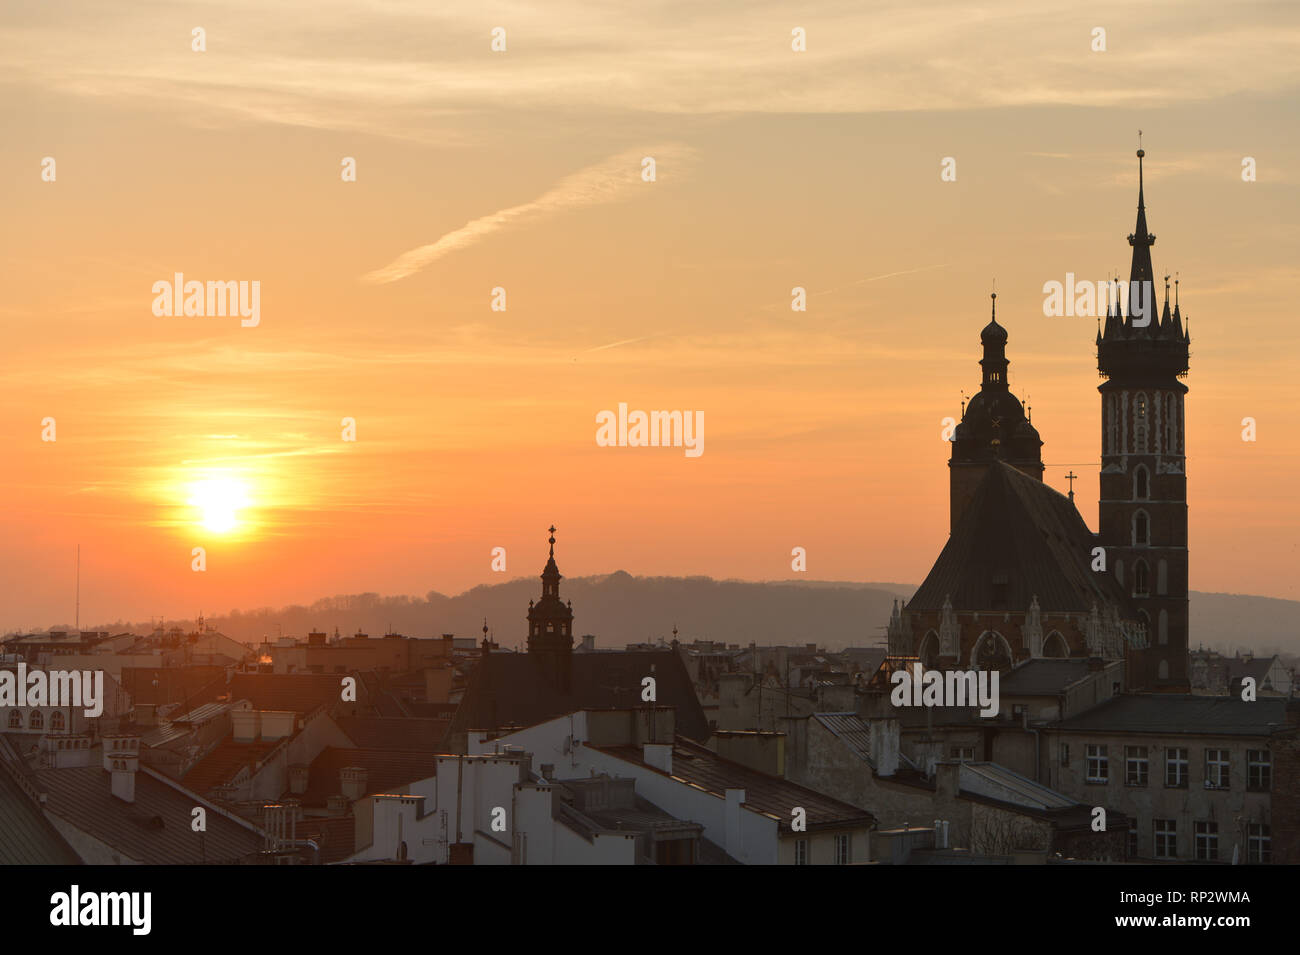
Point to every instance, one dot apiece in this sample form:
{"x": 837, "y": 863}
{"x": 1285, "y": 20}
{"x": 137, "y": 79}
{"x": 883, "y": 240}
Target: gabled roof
{"x": 1019, "y": 529}
{"x": 189, "y": 686}
{"x": 1042, "y": 677}
{"x": 1005, "y": 785}
{"x": 299, "y": 692}
{"x": 153, "y": 830}
{"x": 375, "y": 732}
{"x": 851, "y": 729}
{"x": 335, "y": 836}
{"x": 224, "y": 763}
{"x": 517, "y": 689}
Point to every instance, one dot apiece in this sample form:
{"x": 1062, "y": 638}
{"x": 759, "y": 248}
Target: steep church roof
{"x": 1018, "y": 539}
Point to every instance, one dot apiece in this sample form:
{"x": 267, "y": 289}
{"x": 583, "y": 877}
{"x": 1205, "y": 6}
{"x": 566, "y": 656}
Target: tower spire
{"x": 1141, "y": 281}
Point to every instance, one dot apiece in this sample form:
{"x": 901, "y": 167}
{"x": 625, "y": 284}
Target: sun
{"x": 219, "y": 501}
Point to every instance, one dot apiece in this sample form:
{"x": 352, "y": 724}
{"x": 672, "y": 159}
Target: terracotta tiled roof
{"x": 188, "y": 686}
{"x": 221, "y": 765}
{"x": 374, "y": 732}
{"x": 518, "y": 689}
{"x": 299, "y": 692}
{"x": 334, "y": 835}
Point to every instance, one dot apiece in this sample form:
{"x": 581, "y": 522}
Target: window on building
{"x": 842, "y": 852}
{"x": 1216, "y": 769}
{"x": 1132, "y": 837}
{"x": 964, "y": 753}
{"x": 1098, "y": 763}
{"x": 1176, "y": 767}
{"x": 1207, "y": 841}
{"x": 58, "y": 721}
{"x": 1141, "y": 484}
{"x": 36, "y": 721}
{"x": 1166, "y": 838}
{"x": 1140, "y": 424}
{"x": 801, "y": 852}
{"x": 1141, "y": 580}
{"x": 1136, "y": 765}
{"x": 1259, "y": 770}
{"x": 15, "y": 719}
{"x": 1259, "y": 843}
{"x": 1141, "y": 529}
{"x": 1065, "y": 754}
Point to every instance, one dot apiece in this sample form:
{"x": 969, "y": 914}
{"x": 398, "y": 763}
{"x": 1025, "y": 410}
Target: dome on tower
{"x": 993, "y": 333}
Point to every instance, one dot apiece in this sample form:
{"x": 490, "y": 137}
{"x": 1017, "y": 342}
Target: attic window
{"x": 1000, "y": 584}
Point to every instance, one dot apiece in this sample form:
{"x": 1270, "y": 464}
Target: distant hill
{"x": 620, "y": 609}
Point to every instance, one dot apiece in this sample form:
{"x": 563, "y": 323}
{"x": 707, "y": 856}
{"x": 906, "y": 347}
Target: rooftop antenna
{"x": 78, "y": 612}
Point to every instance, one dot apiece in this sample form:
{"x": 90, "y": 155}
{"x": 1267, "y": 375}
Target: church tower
{"x": 550, "y": 624}
{"x": 993, "y": 426}
{"x": 1143, "y": 507}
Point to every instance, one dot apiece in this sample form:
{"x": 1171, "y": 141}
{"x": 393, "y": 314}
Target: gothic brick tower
{"x": 1143, "y": 507}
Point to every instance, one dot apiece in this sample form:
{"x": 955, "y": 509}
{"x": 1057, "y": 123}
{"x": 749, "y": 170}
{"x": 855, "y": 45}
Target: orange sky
{"x": 476, "y": 428}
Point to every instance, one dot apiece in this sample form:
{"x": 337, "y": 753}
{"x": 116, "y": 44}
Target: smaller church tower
{"x": 550, "y": 622}
{"x": 993, "y": 426}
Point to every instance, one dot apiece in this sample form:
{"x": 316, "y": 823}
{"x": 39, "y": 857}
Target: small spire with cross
{"x": 1071, "y": 478}
{"x": 552, "y": 539}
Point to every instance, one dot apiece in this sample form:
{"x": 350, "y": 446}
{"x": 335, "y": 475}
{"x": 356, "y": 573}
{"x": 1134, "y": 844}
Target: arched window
{"x": 1141, "y": 529}
{"x": 1111, "y": 423}
{"x": 1140, "y": 423}
{"x": 1141, "y": 580}
{"x": 58, "y": 721}
{"x": 1162, "y": 672}
{"x": 1162, "y": 633}
{"x": 929, "y": 652}
{"x": 1141, "y": 483}
{"x": 1171, "y": 426}
{"x": 1162, "y": 576}
{"x": 37, "y": 720}
{"x": 991, "y": 652}
{"x": 15, "y": 719}
{"x": 1055, "y": 646}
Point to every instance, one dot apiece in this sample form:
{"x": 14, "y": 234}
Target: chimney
{"x": 353, "y": 782}
{"x": 883, "y": 740}
{"x": 122, "y": 760}
{"x": 315, "y": 639}
{"x": 734, "y": 807}
{"x": 658, "y": 755}
{"x": 756, "y": 749}
{"x": 588, "y": 641}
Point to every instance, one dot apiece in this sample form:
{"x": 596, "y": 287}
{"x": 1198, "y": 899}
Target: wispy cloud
{"x": 612, "y": 180}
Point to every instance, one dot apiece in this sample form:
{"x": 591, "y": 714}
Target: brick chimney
{"x": 353, "y": 782}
